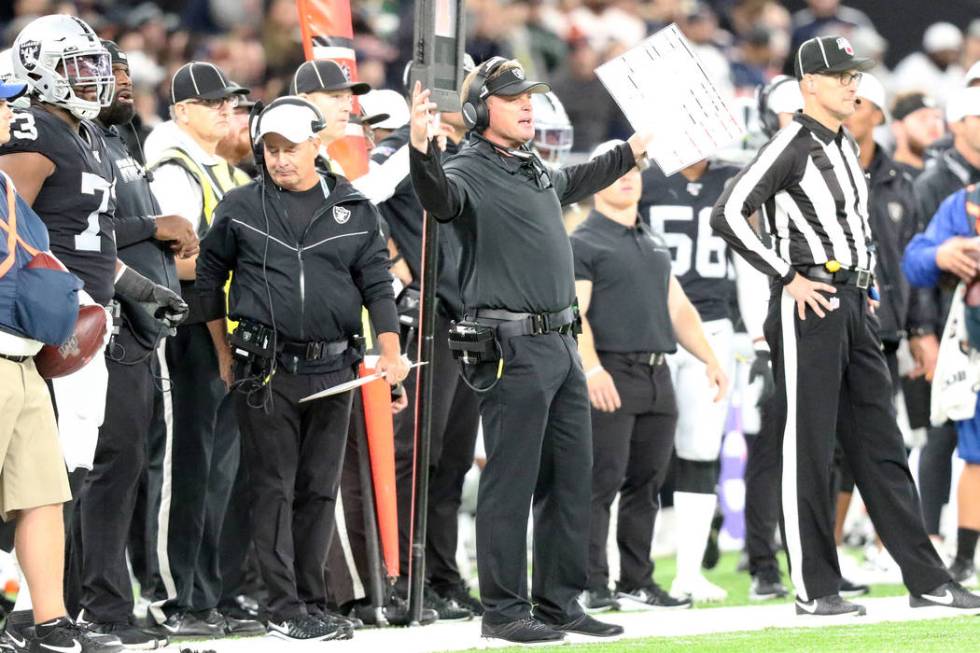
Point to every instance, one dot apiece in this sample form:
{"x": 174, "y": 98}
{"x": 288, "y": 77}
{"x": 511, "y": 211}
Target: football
{"x": 73, "y": 354}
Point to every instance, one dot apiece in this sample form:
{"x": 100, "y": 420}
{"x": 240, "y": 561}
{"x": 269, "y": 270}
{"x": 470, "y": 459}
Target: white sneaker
{"x": 698, "y": 588}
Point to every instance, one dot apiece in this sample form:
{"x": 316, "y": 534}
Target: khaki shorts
{"x": 32, "y": 467}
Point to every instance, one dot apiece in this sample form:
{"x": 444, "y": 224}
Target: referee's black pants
{"x": 539, "y": 443}
{"x": 455, "y": 421}
{"x": 294, "y": 455}
{"x": 832, "y": 381}
{"x": 100, "y": 530}
{"x": 631, "y": 450}
{"x": 196, "y": 484}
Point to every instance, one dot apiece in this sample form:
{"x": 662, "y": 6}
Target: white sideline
{"x": 686, "y": 623}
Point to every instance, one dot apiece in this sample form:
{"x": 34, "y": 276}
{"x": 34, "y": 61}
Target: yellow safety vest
{"x": 215, "y": 180}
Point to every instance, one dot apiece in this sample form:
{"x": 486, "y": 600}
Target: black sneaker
{"x": 64, "y": 635}
{"x": 712, "y": 554}
{"x": 231, "y": 625}
{"x": 460, "y": 593}
{"x": 829, "y": 606}
{"x": 132, "y": 637}
{"x": 307, "y": 628}
{"x": 396, "y": 613}
{"x": 522, "y": 631}
{"x": 653, "y": 597}
{"x": 852, "y": 590}
{"x": 947, "y": 595}
{"x": 334, "y": 618}
{"x": 586, "y": 625}
{"x": 12, "y": 642}
{"x": 599, "y": 600}
{"x": 185, "y": 625}
{"x": 767, "y": 586}
{"x": 447, "y": 609}
{"x": 963, "y": 572}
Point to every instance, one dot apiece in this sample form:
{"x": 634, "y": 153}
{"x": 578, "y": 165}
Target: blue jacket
{"x": 951, "y": 219}
{"x": 32, "y": 230}
{"x": 919, "y": 263}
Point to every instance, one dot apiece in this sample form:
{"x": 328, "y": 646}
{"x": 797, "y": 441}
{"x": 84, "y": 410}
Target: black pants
{"x": 631, "y": 450}
{"x": 831, "y": 380}
{"x": 294, "y": 456}
{"x": 455, "y": 420}
{"x": 539, "y": 443}
{"x": 197, "y": 480}
{"x": 762, "y": 494}
{"x": 104, "y": 513}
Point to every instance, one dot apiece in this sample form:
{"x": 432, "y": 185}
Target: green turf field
{"x": 946, "y": 635}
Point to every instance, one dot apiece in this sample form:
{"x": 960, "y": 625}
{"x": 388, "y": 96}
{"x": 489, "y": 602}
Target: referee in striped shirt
{"x": 831, "y": 377}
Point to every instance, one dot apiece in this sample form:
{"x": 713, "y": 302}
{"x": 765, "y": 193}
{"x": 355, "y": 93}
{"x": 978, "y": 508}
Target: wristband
{"x": 595, "y": 370}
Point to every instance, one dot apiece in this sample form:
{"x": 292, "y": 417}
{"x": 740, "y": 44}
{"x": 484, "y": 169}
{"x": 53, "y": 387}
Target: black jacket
{"x": 319, "y": 282}
{"x": 135, "y": 226}
{"x": 892, "y": 212}
{"x": 946, "y": 174}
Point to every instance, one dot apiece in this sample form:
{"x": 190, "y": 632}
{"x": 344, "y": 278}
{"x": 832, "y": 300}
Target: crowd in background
{"x": 742, "y": 43}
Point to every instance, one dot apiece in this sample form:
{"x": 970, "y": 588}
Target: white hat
{"x": 785, "y": 97}
{"x": 972, "y": 74}
{"x": 388, "y": 102}
{"x": 942, "y": 36}
{"x": 964, "y": 102}
{"x": 292, "y": 117}
{"x": 869, "y": 88}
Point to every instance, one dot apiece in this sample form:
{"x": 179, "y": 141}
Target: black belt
{"x": 843, "y": 277}
{"x": 529, "y": 324}
{"x": 653, "y": 359}
{"x": 315, "y": 350}
{"x": 15, "y": 359}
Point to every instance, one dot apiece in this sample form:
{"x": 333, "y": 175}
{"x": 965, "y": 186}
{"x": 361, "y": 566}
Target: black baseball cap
{"x": 324, "y": 75}
{"x": 828, "y": 54}
{"x": 115, "y": 54}
{"x": 512, "y": 82}
{"x": 202, "y": 80}
{"x": 910, "y": 103}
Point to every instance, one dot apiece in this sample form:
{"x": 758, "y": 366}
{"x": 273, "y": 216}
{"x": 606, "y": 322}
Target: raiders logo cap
{"x": 828, "y": 54}
{"x": 512, "y": 82}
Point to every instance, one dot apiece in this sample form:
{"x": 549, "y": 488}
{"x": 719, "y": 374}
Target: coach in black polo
{"x": 632, "y": 308}
{"x": 831, "y": 377}
{"x": 516, "y": 273}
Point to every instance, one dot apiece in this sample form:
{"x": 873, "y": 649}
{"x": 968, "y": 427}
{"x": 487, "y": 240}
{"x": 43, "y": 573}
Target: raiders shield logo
{"x": 340, "y": 214}
{"x": 845, "y": 45}
{"x": 518, "y": 73}
{"x": 29, "y": 53}
{"x": 895, "y": 211}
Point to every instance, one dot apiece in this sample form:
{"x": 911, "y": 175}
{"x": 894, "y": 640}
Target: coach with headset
{"x": 518, "y": 291}
{"x": 306, "y": 252}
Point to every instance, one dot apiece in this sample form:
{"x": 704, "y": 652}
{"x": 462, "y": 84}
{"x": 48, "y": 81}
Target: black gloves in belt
{"x": 159, "y": 301}
{"x": 762, "y": 369}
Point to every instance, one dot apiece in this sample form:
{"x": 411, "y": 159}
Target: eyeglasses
{"x": 231, "y": 100}
{"x": 845, "y": 78}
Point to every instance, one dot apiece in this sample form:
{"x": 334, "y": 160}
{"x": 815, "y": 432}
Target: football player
{"x": 679, "y": 207}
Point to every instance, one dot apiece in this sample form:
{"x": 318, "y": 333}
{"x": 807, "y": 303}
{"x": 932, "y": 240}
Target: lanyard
{"x": 10, "y": 226}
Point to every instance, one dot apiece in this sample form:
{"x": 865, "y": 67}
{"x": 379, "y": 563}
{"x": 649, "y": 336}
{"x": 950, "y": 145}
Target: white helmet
{"x": 58, "y": 55}
{"x": 7, "y": 77}
{"x": 553, "y": 132}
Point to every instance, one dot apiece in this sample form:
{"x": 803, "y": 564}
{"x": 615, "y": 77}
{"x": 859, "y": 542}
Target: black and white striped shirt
{"x": 814, "y": 196}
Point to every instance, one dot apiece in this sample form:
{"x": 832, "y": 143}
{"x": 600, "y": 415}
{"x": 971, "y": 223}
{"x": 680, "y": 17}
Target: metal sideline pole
{"x": 377, "y": 593}
{"x": 423, "y": 417}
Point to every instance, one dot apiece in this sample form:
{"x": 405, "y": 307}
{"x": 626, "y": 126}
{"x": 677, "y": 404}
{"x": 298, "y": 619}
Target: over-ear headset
{"x": 476, "y": 115}
{"x": 767, "y": 117}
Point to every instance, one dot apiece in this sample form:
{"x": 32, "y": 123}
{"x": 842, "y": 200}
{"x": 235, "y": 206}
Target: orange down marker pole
{"x": 329, "y": 34}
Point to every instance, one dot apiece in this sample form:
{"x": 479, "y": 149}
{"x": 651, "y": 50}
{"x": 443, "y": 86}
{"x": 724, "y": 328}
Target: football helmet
{"x": 553, "y": 131}
{"x": 7, "y": 77}
{"x": 63, "y": 61}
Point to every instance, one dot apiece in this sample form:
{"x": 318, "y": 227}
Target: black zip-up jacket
{"x": 891, "y": 208}
{"x": 135, "y": 226}
{"x": 318, "y": 282}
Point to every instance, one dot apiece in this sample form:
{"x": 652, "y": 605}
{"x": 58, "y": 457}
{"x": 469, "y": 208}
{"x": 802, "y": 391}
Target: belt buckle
{"x": 863, "y": 279}
{"x": 313, "y": 350}
{"x": 539, "y": 324}
{"x": 652, "y": 361}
